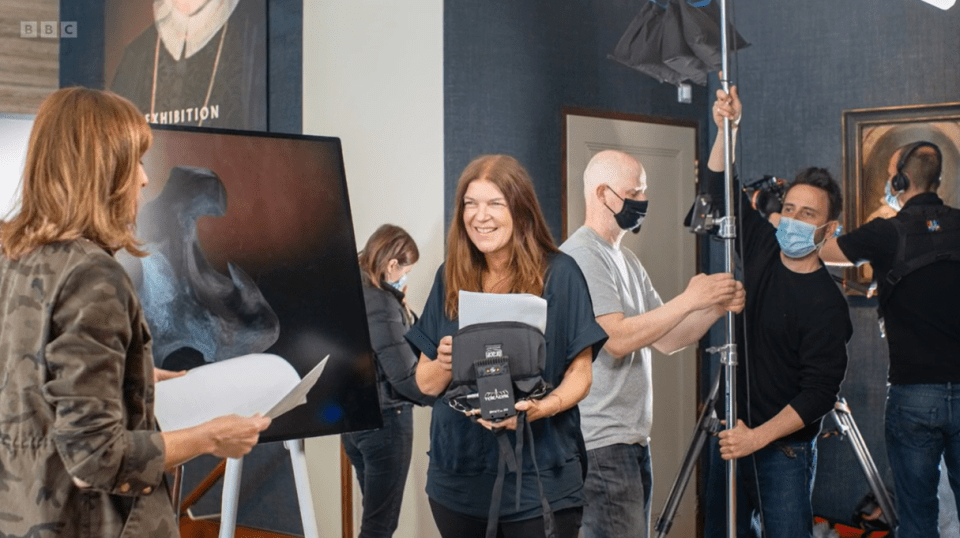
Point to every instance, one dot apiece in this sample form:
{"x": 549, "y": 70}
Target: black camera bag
{"x": 522, "y": 345}
{"x": 524, "y": 351}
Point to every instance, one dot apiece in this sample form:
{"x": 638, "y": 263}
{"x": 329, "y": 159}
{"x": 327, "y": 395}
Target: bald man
{"x": 617, "y": 414}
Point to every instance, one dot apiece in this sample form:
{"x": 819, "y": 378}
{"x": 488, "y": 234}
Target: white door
{"x": 668, "y": 252}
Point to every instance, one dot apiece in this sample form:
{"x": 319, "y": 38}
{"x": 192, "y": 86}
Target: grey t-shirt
{"x": 619, "y": 408}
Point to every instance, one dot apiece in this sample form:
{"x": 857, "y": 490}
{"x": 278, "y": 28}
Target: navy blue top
{"x": 464, "y": 455}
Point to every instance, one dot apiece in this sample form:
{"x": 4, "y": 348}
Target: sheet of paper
{"x": 298, "y": 395}
{"x": 488, "y": 307}
{"x": 244, "y": 386}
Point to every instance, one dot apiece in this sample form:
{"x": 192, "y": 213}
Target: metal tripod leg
{"x": 706, "y": 425}
{"x": 848, "y": 429}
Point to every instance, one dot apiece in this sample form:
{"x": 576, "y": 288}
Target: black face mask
{"x": 631, "y": 215}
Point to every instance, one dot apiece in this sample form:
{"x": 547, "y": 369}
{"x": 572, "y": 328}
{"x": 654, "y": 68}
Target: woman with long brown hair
{"x": 381, "y": 457}
{"x": 499, "y": 243}
{"x": 80, "y": 451}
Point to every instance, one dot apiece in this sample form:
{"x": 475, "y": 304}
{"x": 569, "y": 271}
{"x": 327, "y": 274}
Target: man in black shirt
{"x": 795, "y": 327}
{"x": 920, "y": 246}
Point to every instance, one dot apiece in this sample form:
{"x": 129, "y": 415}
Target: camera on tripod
{"x": 494, "y": 385}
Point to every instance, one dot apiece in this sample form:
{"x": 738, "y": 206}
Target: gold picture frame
{"x": 871, "y": 137}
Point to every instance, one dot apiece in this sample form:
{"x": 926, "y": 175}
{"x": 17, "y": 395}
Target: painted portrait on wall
{"x": 251, "y": 250}
{"x": 871, "y": 140}
{"x": 190, "y": 62}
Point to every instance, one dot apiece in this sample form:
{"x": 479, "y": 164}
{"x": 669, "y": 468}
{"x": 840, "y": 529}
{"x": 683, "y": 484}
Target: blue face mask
{"x": 796, "y": 237}
{"x": 891, "y": 200}
{"x": 398, "y": 285}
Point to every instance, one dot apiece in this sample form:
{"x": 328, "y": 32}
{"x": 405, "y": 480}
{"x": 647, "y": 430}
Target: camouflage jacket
{"x": 76, "y": 400}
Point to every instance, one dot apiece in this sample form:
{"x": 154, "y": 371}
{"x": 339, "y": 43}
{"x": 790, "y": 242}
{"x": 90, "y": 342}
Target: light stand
{"x": 706, "y": 425}
{"x": 728, "y": 232}
{"x": 703, "y": 219}
{"x": 847, "y": 429}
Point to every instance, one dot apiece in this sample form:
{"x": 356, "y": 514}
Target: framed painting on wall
{"x": 871, "y": 138}
{"x": 201, "y": 63}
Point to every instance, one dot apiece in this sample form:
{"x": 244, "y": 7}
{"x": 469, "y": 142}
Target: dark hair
{"x": 531, "y": 240}
{"x": 922, "y": 166}
{"x": 387, "y": 243}
{"x": 821, "y": 179}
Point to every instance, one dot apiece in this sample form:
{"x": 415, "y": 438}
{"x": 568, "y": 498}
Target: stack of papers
{"x": 247, "y": 385}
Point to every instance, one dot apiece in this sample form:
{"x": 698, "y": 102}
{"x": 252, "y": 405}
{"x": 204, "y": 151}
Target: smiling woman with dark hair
{"x": 499, "y": 243}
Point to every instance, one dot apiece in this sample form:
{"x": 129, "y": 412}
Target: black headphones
{"x": 900, "y": 182}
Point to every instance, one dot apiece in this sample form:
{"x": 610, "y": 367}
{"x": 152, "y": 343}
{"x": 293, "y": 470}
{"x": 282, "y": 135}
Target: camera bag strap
{"x": 512, "y": 458}
{"x": 930, "y": 234}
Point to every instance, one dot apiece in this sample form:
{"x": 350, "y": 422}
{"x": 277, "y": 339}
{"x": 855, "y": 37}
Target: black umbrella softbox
{"x": 673, "y": 41}
{"x": 639, "y": 47}
{"x": 701, "y": 30}
{"x": 675, "y": 50}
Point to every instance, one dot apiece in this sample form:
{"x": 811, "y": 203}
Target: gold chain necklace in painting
{"x": 213, "y": 73}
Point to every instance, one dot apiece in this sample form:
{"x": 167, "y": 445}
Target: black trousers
{"x": 456, "y": 525}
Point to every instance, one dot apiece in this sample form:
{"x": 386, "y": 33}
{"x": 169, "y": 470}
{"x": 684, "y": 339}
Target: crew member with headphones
{"x": 916, "y": 261}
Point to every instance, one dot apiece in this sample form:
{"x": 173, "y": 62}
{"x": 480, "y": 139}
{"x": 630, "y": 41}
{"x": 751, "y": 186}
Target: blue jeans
{"x": 715, "y": 495}
{"x": 922, "y": 424}
{"x": 778, "y": 483}
{"x": 617, "y": 491}
{"x": 381, "y": 459}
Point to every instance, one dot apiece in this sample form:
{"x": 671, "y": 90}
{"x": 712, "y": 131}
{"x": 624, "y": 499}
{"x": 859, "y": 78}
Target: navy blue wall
{"x": 810, "y": 61}
{"x": 511, "y": 66}
{"x": 81, "y": 59}
{"x": 285, "y": 56}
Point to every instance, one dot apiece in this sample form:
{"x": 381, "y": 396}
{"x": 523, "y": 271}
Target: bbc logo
{"x": 48, "y": 29}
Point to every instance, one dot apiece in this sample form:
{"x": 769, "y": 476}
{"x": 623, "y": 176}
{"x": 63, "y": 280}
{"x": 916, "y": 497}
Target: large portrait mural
{"x": 190, "y": 62}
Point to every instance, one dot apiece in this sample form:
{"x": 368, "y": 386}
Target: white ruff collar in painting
{"x": 183, "y": 35}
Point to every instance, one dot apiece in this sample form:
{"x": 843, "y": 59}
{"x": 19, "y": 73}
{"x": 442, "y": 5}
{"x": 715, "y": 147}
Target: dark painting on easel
{"x": 251, "y": 250}
{"x": 190, "y": 62}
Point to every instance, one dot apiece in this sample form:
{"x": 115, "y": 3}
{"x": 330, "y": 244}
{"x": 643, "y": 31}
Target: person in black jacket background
{"x": 381, "y": 457}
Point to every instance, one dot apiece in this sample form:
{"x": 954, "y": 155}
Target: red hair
{"x": 529, "y": 246}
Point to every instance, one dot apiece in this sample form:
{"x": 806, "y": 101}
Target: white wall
{"x": 373, "y": 76}
{"x": 14, "y": 137}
